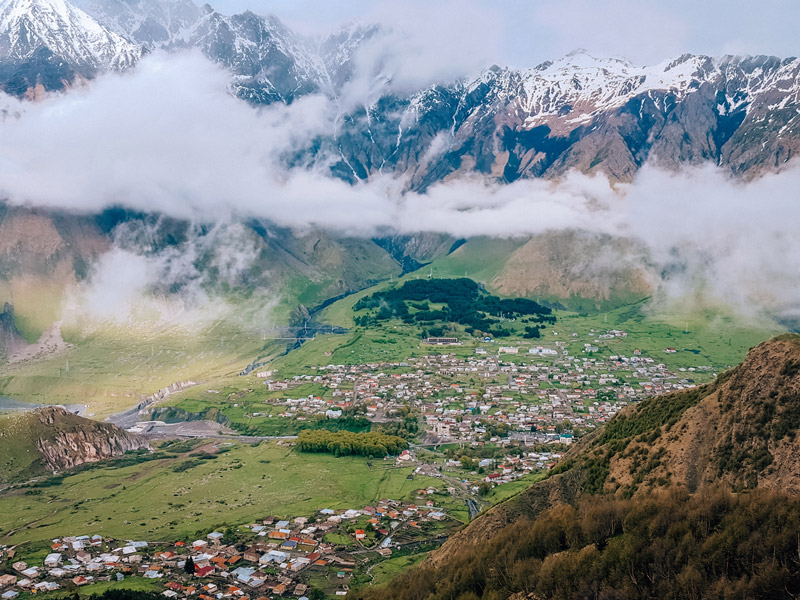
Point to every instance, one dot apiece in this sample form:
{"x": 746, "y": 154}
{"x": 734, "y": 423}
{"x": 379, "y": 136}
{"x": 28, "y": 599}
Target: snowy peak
{"x": 30, "y": 26}
{"x": 151, "y": 23}
{"x": 577, "y": 88}
{"x": 268, "y": 61}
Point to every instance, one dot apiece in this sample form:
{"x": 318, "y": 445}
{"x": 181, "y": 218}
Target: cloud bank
{"x": 168, "y": 138}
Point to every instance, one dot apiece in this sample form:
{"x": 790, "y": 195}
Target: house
{"x": 203, "y": 571}
{"x": 215, "y": 537}
{"x": 46, "y": 586}
{"x": 7, "y": 580}
{"x": 244, "y": 574}
{"x": 279, "y": 589}
{"x": 52, "y": 560}
{"x": 360, "y": 534}
{"x": 442, "y": 341}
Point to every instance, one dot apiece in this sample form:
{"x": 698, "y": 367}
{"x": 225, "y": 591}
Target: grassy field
{"x": 138, "y": 584}
{"x": 507, "y": 490}
{"x": 386, "y": 570}
{"x": 713, "y": 339}
{"x": 164, "y": 500}
{"x": 112, "y": 368}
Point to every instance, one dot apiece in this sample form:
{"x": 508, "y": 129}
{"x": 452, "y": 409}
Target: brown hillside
{"x": 569, "y": 264}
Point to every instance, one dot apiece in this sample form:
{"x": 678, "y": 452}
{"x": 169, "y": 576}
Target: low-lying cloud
{"x": 168, "y": 138}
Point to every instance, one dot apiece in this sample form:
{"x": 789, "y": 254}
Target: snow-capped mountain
{"x": 151, "y": 23}
{"x": 578, "y": 112}
{"x": 50, "y": 42}
{"x": 583, "y": 113}
{"x": 268, "y": 62}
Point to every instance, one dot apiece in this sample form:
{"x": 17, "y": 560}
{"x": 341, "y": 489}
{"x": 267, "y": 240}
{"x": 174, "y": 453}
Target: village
{"x": 534, "y": 395}
{"x": 270, "y": 558}
{"x": 481, "y": 417}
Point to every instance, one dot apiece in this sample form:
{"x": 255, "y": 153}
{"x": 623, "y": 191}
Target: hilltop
{"x": 51, "y": 439}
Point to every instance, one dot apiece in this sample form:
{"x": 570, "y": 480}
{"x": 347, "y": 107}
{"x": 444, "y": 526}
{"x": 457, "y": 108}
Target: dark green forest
{"x": 346, "y": 443}
{"x": 463, "y": 302}
{"x": 667, "y": 545}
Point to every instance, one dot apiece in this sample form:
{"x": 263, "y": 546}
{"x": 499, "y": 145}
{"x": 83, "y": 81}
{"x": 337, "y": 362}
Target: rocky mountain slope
{"x": 49, "y": 44}
{"x": 736, "y": 434}
{"x": 587, "y": 114}
{"x": 52, "y": 439}
{"x": 579, "y": 112}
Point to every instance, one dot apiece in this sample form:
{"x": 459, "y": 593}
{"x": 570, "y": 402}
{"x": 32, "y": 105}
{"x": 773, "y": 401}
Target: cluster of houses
{"x": 510, "y": 467}
{"x": 534, "y": 389}
{"x": 270, "y": 558}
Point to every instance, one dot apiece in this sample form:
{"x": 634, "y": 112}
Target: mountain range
{"x": 578, "y": 112}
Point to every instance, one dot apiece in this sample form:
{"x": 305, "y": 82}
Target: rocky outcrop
{"x": 68, "y": 440}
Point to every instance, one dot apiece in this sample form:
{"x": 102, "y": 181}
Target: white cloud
{"x": 168, "y": 138}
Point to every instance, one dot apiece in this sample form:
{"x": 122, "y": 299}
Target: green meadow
{"x": 183, "y": 496}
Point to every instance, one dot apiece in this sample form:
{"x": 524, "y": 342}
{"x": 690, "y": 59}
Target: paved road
{"x": 205, "y": 429}
{"x": 473, "y": 508}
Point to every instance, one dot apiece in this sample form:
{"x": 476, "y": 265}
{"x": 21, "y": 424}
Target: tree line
{"x": 345, "y": 443}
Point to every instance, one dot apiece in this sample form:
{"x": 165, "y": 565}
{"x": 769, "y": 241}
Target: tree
{"x": 188, "y": 566}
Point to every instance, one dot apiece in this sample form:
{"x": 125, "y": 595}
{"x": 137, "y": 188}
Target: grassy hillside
{"x": 577, "y": 270}
{"x": 38, "y": 442}
{"x": 113, "y": 367}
